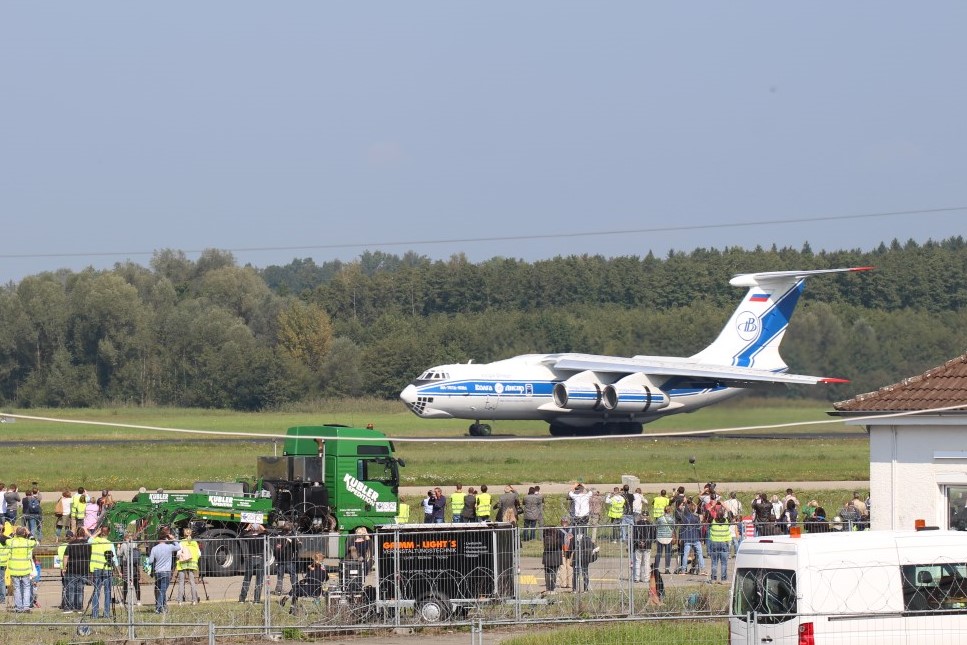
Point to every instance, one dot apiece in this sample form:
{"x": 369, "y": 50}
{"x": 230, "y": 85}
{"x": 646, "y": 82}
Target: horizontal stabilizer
{"x": 755, "y": 279}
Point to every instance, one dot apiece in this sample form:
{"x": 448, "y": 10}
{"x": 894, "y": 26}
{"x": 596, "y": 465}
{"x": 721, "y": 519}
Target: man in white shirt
{"x": 582, "y": 506}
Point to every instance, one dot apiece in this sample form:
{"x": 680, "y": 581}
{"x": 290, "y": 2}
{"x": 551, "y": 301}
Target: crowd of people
{"x": 677, "y": 527}
{"x": 87, "y": 558}
{"x": 475, "y": 505}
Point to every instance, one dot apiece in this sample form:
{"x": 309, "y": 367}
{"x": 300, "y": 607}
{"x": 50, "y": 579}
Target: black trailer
{"x": 440, "y": 570}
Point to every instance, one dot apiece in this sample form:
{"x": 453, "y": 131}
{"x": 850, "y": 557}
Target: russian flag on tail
{"x": 759, "y": 297}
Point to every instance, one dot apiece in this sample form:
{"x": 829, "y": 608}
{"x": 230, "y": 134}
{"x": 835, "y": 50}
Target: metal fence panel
{"x": 480, "y": 578}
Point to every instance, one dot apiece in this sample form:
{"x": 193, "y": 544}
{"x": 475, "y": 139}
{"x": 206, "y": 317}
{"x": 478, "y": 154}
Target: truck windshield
{"x": 769, "y": 593}
{"x": 383, "y": 471}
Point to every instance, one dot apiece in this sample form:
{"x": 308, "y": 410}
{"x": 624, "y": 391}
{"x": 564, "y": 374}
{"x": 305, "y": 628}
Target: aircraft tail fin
{"x": 752, "y": 335}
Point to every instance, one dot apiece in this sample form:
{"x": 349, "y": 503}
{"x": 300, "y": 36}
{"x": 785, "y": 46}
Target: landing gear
{"x": 559, "y": 430}
{"x": 622, "y": 428}
{"x": 480, "y": 429}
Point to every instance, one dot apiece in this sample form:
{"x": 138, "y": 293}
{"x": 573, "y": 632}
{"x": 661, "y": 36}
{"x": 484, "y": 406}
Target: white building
{"x": 918, "y": 463}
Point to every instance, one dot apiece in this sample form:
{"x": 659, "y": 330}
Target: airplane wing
{"x": 723, "y": 374}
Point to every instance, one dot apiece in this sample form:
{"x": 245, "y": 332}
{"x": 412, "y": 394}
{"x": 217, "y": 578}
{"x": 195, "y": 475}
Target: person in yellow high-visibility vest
{"x": 59, "y": 565}
{"x": 720, "y": 536}
{"x": 658, "y": 504}
{"x": 78, "y": 505}
{"x": 484, "y": 501}
{"x": 187, "y": 566}
{"x": 20, "y": 566}
{"x": 404, "y": 513}
{"x": 615, "y": 503}
{"x": 103, "y": 559}
{"x": 457, "y": 499}
{"x": 4, "y": 559}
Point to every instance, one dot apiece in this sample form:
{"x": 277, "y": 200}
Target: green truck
{"x": 330, "y": 481}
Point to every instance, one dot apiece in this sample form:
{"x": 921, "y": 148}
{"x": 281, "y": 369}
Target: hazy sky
{"x": 127, "y": 127}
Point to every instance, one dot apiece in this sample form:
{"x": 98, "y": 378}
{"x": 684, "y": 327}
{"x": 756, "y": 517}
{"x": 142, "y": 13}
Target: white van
{"x": 861, "y": 587}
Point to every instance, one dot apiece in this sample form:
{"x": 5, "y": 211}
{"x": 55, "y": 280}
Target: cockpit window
{"x": 432, "y": 375}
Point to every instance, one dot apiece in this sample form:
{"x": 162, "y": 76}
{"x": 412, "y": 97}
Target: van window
{"x": 931, "y": 587}
{"x": 769, "y": 593}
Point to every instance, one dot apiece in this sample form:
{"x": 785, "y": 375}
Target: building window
{"x": 957, "y": 508}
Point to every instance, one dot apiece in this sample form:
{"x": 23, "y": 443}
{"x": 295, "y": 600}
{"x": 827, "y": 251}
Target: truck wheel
{"x": 433, "y": 608}
{"x": 221, "y": 555}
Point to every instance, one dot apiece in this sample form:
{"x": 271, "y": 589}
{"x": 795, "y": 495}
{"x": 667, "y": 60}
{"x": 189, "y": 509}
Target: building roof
{"x": 940, "y": 387}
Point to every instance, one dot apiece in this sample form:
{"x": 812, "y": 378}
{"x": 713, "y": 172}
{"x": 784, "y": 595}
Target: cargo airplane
{"x": 585, "y": 394}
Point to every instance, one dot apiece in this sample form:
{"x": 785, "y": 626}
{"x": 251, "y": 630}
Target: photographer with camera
{"x": 103, "y": 562}
{"x": 159, "y": 561}
{"x": 75, "y": 566}
{"x": 428, "y": 507}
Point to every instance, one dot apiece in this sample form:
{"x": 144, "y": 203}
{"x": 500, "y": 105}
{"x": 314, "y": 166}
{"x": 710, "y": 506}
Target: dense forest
{"x": 211, "y": 333}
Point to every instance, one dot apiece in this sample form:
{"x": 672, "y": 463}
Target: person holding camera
{"x": 439, "y": 506}
{"x": 428, "y": 507}
{"x": 103, "y": 560}
{"x": 75, "y": 565}
{"x": 159, "y": 560}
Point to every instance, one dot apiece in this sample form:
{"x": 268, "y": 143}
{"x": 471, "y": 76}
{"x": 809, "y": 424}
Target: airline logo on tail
{"x": 747, "y": 326}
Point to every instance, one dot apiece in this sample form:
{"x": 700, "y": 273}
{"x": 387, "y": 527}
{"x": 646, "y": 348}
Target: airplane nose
{"x": 408, "y": 395}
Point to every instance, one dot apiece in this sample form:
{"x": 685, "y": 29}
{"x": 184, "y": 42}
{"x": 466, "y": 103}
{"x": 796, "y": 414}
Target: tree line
{"x": 211, "y": 333}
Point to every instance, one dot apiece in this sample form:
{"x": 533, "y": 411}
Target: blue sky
{"x": 130, "y": 127}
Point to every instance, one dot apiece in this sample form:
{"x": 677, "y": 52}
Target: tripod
{"x": 83, "y": 626}
{"x": 182, "y": 583}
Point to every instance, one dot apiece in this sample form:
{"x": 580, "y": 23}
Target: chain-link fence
{"x": 478, "y": 579}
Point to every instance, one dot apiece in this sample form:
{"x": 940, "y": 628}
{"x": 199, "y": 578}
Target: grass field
{"x": 659, "y": 632}
{"x": 42, "y": 450}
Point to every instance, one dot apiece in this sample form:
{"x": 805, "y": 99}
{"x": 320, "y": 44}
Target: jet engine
{"x": 580, "y": 392}
{"x": 633, "y": 394}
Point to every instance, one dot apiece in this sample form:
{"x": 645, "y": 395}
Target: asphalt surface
{"x": 237, "y": 440}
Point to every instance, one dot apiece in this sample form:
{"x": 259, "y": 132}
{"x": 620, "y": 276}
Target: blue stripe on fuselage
{"x": 545, "y": 389}
{"x": 487, "y": 388}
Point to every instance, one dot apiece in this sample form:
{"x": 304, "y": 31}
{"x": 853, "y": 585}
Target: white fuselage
{"x": 522, "y": 388}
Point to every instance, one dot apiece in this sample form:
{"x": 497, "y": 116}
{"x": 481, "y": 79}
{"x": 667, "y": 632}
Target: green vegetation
{"x": 121, "y": 458}
{"x": 211, "y": 334}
